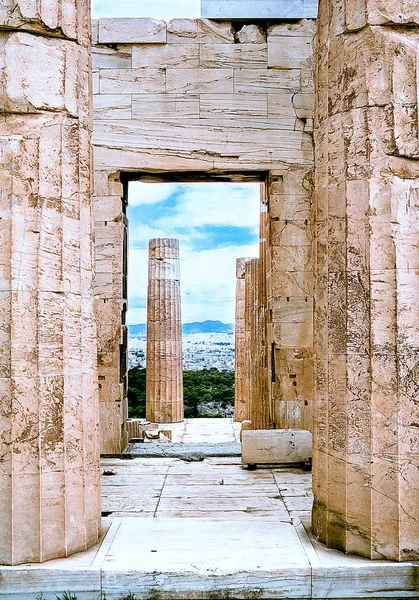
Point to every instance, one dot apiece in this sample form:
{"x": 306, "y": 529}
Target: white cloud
{"x": 150, "y": 193}
{"x": 215, "y": 204}
{"x": 157, "y": 9}
{"x": 208, "y": 277}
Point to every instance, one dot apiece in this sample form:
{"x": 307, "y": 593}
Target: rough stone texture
{"x": 280, "y": 446}
{"x": 366, "y": 452}
{"x": 164, "y": 379}
{"x": 241, "y": 391}
{"x": 255, "y": 313}
{"x": 49, "y": 451}
{"x": 199, "y": 104}
{"x": 290, "y": 299}
{"x": 251, "y": 34}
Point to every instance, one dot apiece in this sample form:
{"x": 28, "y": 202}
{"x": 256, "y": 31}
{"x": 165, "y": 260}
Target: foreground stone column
{"x": 366, "y": 449}
{"x": 241, "y": 391}
{"x": 164, "y": 381}
{"x": 49, "y": 465}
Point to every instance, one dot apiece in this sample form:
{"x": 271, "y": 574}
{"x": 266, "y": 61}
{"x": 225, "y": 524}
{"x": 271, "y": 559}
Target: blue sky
{"x": 215, "y": 224}
{"x": 158, "y": 9}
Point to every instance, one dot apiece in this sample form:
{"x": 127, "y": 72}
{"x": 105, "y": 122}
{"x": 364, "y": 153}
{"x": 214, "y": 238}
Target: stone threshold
{"x": 196, "y": 559}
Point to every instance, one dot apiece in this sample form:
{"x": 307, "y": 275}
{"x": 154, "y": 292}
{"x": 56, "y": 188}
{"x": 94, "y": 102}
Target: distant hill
{"x": 204, "y": 327}
{"x": 208, "y": 327}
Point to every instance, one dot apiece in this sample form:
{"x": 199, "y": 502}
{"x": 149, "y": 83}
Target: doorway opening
{"x": 216, "y": 222}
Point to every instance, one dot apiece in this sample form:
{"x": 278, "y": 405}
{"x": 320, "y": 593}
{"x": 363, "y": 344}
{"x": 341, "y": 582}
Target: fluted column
{"x": 241, "y": 395}
{"x": 164, "y": 382}
{"x": 49, "y": 451}
{"x": 365, "y": 439}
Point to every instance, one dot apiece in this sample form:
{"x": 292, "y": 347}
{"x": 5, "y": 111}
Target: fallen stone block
{"x": 276, "y": 446}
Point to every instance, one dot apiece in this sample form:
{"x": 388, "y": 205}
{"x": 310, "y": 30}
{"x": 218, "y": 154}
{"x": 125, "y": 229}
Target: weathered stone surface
{"x": 132, "y": 81}
{"x": 366, "y": 326}
{"x": 132, "y": 31}
{"x": 34, "y": 77}
{"x": 223, "y": 56}
{"x": 164, "y": 383}
{"x": 251, "y": 34}
{"x": 49, "y": 467}
{"x": 228, "y": 114}
{"x": 183, "y": 56}
{"x": 276, "y": 446}
{"x": 63, "y": 18}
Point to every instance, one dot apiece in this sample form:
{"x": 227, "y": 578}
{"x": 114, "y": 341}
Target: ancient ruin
{"x": 164, "y": 391}
{"x": 49, "y": 441}
{"x": 366, "y": 475}
{"x": 332, "y": 297}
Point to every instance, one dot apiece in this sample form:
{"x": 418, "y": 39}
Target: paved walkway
{"x": 175, "y": 530}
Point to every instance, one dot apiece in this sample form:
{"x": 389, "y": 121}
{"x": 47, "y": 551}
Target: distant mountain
{"x": 208, "y": 327}
{"x": 204, "y": 327}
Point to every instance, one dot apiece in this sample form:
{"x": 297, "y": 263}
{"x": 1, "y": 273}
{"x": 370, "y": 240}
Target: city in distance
{"x": 206, "y": 345}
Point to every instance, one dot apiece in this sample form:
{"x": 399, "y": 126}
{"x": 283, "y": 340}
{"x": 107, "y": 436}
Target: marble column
{"x": 164, "y": 381}
{"x": 49, "y": 450}
{"x": 366, "y": 443}
{"x": 241, "y": 396}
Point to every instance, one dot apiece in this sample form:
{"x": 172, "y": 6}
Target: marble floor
{"x": 207, "y": 530}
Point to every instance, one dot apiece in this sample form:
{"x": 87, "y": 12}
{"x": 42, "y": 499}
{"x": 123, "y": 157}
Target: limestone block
{"x": 157, "y": 106}
{"x": 292, "y": 310}
{"x": 132, "y": 81}
{"x": 303, "y": 105}
{"x": 199, "y": 81}
{"x": 281, "y": 105}
{"x": 34, "y": 76}
{"x": 182, "y": 31}
{"x": 107, "y": 208}
{"x": 112, "y": 106}
{"x": 241, "y": 267}
{"x": 251, "y": 34}
{"x": 215, "y": 56}
{"x": 184, "y": 56}
{"x": 110, "y": 427}
{"x": 262, "y": 81}
{"x": 279, "y": 446}
{"x": 215, "y": 32}
{"x": 233, "y": 105}
{"x": 106, "y": 57}
{"x": 295, "y": 414}
{"x": 95, "y": 82}
{"x": 95, "y": 31}
{"x": 132, "y": 31}
{"x": 302, "y": 28}
{"x": 289, "y": 52}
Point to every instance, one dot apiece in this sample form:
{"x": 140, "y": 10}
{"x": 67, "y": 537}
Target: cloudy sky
{"x": 215, "y": 223}
{"x": 158, "y": 9}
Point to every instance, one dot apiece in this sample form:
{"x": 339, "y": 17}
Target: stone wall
{"x": 197, "y": 99}
{"x": 366, "y": 444}
{"x": 49, "y": 451}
